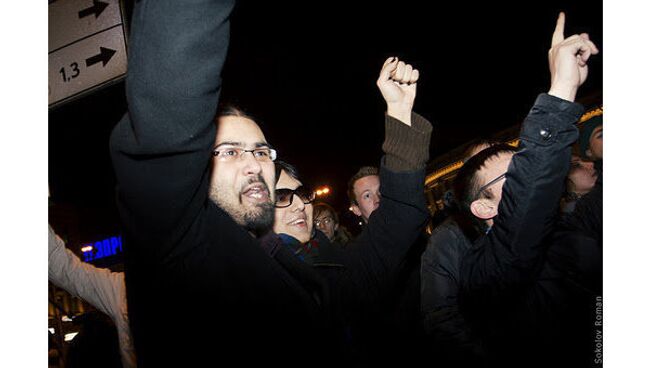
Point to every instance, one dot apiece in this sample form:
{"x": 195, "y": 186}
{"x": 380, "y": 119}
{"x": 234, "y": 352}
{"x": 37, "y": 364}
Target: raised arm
{"x": 512, "y": 252}
{"x": 392, "y": 228}
{"x": 102, "y": 288}
{"x": 161, "y": 147}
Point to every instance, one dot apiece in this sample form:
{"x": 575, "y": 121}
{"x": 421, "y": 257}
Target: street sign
{"x": 87, "y": 47}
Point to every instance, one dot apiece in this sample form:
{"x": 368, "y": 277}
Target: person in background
{"x": 327, "y": 220}
{"x": 591, "y": 138}
{"x": 363, "y": 192}
{"x": 100, "y": 287}
{"x": 580, "y": 181}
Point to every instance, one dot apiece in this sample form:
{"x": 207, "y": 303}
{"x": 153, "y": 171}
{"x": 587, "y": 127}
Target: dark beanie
{"x": 585, "y": 133}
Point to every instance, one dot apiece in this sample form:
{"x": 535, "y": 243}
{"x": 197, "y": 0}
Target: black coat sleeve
{"x": 374, "y": 257}
{"x": 161, "y": 148}
{"x": 509, "y": 256}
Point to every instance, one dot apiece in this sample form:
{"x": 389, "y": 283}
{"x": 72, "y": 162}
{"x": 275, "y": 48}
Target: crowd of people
{"x": 223, "y": 235}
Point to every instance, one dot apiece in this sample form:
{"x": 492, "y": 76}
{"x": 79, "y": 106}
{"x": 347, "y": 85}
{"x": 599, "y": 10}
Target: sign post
{"x": 87, "y": 47}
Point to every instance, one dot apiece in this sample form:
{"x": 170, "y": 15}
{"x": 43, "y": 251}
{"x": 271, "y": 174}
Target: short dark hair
{"x": 467, "y": 183}
{"x": 286, "y": 167}
{"x": 478, "y": 143}
{"x": 324, "y": 207}
{"x": 362, "y": 173}
{"x": 228, "y": 109}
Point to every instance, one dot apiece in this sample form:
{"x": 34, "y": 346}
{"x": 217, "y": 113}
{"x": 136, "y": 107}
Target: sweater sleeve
{"x": 374, "y": 257}
{"x": 407, "y": 148}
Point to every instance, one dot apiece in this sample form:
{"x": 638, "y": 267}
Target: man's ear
{"x": 484, "y": 208}
{"x": 356, "y": 210}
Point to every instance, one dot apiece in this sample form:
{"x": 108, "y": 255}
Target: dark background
{"x": 307, "y": 72}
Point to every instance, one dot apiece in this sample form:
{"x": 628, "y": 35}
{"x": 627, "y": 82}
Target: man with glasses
{"x": 206, "y": 283}
{"x": 327, "y": 220}
{"x": 243, "y": 171}
{"x": 527, "y": 287}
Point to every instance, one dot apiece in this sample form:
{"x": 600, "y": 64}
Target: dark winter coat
{"x": 201, "y": 290}
{"x": 529, "y": 286}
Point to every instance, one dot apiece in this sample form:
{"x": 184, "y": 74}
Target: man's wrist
{"x": 565, "y": 93}
{"x": 400, "y": 112}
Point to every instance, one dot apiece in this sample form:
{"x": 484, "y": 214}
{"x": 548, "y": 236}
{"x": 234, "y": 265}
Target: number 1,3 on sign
{"x": 69, "y": 73}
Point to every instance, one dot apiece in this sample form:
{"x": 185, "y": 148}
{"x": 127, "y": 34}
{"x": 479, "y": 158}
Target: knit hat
{"x": 585, "y": 133}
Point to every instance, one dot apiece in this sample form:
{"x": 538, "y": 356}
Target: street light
{"x": 322, "y": 191}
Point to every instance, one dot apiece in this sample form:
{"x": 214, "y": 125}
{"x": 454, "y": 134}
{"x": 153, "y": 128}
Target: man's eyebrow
{"x": 262, "y": 145}
{"x": 241, "y": 144}
{"x": 229, "y": 143}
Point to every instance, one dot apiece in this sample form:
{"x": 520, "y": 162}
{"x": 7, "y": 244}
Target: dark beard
{"x": 261, "y": 222}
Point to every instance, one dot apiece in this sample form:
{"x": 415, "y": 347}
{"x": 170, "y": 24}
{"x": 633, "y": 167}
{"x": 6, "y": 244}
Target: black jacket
{"x": 201, "y": 291}
{"x": 527, "y": 286}
{"x": 449, "y": 339}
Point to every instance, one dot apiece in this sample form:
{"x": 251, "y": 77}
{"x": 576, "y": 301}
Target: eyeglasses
{"x": 323, "y": 221}
{"x": 229, "y": 154}
{"x": 284, "y": 197}
{"x": 491, "y": 182}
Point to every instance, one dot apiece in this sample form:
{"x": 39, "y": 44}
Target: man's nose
{"x": 251, "y": 165}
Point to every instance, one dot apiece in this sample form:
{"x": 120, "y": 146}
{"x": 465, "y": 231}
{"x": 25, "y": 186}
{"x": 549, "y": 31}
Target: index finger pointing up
{"x": 558, "y": 34}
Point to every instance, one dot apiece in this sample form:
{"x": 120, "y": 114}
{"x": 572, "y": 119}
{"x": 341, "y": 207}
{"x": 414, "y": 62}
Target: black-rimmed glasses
{"x": 284, "y": 197}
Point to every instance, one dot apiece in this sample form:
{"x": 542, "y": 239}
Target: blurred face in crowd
{"x": 595, "y": 150}
{"x": 367, "y": 196}
{"x": 297, "y": 218}
{"x": 486, "y": 205}
{"x": 582, "y": 176}
{"x": 325, "y": 223}
{"x": 242, "y": 184}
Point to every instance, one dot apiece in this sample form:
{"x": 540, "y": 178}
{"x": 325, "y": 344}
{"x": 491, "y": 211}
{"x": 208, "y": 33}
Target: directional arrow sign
{"x": 105, "y": 54}
{"x": 97, "y": 8}
{"x": 86, "y": 51}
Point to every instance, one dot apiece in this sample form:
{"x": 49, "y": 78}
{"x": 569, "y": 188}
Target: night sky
{"x": 307, "y": 72}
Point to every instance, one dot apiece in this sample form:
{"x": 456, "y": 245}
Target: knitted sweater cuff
{"x": 407, "y": 148}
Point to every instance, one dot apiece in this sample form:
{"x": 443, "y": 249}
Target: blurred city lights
{"x": 322, "y": 191}
{"x": 87, "y": 248}
{"x": 70, "y": 336}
